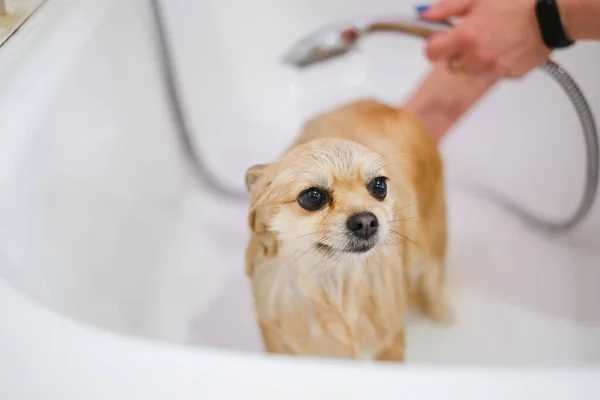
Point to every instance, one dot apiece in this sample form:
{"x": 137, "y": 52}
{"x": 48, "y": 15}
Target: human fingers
{"x": 446, "y": 45}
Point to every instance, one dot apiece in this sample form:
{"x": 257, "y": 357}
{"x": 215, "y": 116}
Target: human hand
{"x": 498, "y": 37}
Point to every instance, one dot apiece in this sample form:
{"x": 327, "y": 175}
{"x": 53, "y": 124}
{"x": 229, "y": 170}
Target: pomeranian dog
{"x": 348, "y": 230}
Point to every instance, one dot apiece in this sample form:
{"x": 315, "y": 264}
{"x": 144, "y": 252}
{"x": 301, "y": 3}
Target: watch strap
{"x": 550, "y": 24}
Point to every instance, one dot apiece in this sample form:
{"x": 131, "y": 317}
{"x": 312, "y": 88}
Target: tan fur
{"x": 315, "y": 302}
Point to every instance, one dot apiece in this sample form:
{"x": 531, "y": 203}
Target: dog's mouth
{"x": 354, "y": 246}
{"x": 359, "y": 248}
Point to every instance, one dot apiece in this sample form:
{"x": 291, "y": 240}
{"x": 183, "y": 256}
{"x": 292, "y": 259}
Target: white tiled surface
{"x": 103, "y": 222}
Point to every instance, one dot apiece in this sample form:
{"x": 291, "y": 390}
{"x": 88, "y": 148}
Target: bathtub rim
{"x": 175, "y": 371}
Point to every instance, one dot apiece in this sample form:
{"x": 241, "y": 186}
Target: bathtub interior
{"x": 104, "y": 222}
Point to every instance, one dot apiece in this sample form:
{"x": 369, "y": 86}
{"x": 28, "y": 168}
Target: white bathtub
{"x": 122, "y": 278}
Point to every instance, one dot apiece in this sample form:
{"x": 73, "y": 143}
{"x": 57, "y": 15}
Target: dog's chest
{"x": 335, "y": 307}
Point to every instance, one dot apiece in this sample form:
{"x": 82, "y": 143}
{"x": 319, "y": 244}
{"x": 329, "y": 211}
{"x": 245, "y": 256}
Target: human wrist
{"x": 568, "y": 16}
{"x": 443, "y": 98}
{"x": 580, "y": 22}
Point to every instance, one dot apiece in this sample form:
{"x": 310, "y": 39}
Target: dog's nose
{"x": 364, "y": 225}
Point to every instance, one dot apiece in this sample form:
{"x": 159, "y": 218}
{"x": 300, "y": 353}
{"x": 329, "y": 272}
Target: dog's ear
{"x": 253, "y": 174}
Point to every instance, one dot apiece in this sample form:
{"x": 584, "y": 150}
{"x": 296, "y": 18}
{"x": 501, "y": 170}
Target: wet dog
{"x": 348, "y": 230}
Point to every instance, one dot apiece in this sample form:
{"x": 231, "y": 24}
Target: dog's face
{"x": 328, "y": 195}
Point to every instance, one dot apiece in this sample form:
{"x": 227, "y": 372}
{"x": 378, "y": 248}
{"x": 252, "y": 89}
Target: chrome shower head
{"x": 326, "y": 43}
{"x": 341, "y": 38}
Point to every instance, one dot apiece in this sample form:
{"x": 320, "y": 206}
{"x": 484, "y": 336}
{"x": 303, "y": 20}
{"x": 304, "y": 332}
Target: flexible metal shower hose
{"x": 209, "y": 181}
{"x": 202, "y": 172}
{"x": 590, "y": 134}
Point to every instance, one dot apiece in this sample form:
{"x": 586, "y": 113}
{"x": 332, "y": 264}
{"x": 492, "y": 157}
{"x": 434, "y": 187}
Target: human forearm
{"x": 443, "y": 98}
{"x": 580, "y": 18}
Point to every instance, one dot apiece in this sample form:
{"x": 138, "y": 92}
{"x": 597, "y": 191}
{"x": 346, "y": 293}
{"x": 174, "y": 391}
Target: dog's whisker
{"x": 286, "y": 239}
{"x": 330, "y": 253}
{"x": 314, "y": 269}
{"x": 406, "y": 206}
{"x": 404, "y": 237}
{"x": 284, "y": 271}
{"x": 417, "y": 218}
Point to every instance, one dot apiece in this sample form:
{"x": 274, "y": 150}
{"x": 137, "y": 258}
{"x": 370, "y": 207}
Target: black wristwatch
{"x": 551, "y": 27}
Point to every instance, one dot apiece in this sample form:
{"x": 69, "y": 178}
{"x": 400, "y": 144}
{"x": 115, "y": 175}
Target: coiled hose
{"x": 208, "y": 180}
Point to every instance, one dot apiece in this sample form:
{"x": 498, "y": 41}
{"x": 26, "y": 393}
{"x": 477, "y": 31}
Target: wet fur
{"x": 315, "y": 302}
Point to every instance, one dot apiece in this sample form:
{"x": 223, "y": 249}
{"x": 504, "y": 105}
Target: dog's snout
{"x": 363, "y": 225}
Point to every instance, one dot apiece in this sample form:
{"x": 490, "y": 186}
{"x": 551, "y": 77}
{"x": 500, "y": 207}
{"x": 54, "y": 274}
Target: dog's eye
{"x": 312, "y": 199}
{"x": 378, "y": 187}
